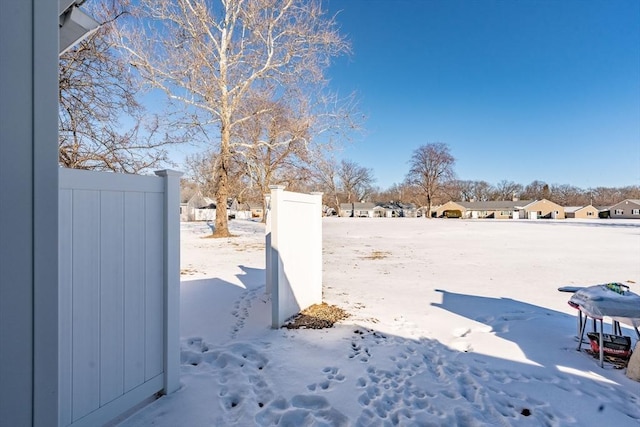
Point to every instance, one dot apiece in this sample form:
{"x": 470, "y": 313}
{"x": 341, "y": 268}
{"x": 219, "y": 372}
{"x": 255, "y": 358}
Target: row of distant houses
{"x": 500, "y": 209}
{"x": 200, "y": 208}
{"x": 378, "y": 210}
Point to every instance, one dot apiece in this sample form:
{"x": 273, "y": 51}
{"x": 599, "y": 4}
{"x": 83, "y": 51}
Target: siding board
{"x": 65, "y": 305}
{"x": 86, "y": 302}
{"x": 111, "y": 296}
{"x": 154, "y": 294}
{"x": 134, "y": 280}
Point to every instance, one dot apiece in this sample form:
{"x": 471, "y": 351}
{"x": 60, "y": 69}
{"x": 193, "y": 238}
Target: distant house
{"x": 496, "y": 209}
{"x": 382, "y": 212}
{"x": 184, "y": 212}
{"x": 255, "y": 209}
{"x": 328, "y": 211}
{"x": 362, "y": 210}
{"x": 198, "y": 208}
{"x": 626, "y": 209}
{"x": 603, "y": 211}
{"x": 501, "y": 209}
{"x": 581, "y": 212}
{"x": 450, "y": 208}
{"x": 408, "y": 210}
{"x": 395, "y": 209}
{"x": 541, "y": 209}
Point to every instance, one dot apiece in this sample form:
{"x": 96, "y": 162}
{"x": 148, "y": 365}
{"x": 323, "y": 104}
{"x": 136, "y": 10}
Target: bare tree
{"x": 324, "y": 172}
{"x": 356, "y": 181}
{"x": 188, "y": 189}
{"x": 200, "y": 170}
{"x": 200, "y": 167}
{"x": 482, "y": 191}
{"x": 479, "y": 191}
{"x": 536, "y": 190}
{"x": 458, "y": 190}
{"x": 273, "y": 145}
{"x": 431, "y": 166}
{"x": 568, "y": 195}
{"x": 607, "y": 196}
{"x": 396, "y": 192}
{"x": 507, "y": 190}
{"x": 212, "y": 57}
{"x": 96, "y": 92}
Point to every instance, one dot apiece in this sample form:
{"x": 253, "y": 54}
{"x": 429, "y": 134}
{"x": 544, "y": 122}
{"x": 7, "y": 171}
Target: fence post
{"x": 267, "y": 244}
{"x": 171, "y": 278}
{"x": 274, "y": 257}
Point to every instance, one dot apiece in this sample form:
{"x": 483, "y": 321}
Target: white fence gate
{"x": 119, "y": 278}
{"x": 293, "y": 252}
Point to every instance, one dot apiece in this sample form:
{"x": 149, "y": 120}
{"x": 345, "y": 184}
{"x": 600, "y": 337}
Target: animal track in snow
{"x": 359, "y": 349}
{"x": 332, "y": 375}
{"x": 422, "y": 379}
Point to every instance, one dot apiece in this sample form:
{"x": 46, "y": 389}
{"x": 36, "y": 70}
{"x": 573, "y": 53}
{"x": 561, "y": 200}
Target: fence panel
{"x": 114, "y": 236}
{"x": 294, "y": 252}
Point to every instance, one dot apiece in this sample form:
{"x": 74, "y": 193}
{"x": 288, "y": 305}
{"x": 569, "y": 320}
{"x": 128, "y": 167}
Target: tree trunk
{"x": 222, "y": 188}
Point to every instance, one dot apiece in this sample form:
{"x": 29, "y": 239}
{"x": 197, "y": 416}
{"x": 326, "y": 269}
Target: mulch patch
{"x": 318, "y": 316}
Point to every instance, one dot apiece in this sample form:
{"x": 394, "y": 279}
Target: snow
{"x": 453, "y": 322}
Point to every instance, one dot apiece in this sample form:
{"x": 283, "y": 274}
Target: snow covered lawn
{"x": 453, "y": 322}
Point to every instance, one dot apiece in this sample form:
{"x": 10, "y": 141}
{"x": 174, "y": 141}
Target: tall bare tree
{"x": 200, "y": 167}
{"x": 96, "y": 95}
{"x": 212, "y": 57}
{"x": 274, "y": 145}
{"x": 356, "y": 181}
{"x": 324, "y": 173}
{"x": 431, "y": 166}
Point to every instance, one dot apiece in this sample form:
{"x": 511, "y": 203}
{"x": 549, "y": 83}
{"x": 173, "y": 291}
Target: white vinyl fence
{"x": 119, "y": 278}
{"x": 293, "y": 252}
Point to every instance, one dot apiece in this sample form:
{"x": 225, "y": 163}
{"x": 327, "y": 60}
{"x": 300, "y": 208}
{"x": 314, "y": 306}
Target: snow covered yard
{"x": 453, "y": 322}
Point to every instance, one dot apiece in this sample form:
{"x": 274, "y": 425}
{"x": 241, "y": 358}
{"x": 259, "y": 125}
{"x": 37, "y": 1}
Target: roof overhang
{"x": 74, "y": 25}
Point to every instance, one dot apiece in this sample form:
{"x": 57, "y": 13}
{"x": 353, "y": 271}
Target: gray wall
{"x": 28, "y": 212}
{"x": 627, "y": 207}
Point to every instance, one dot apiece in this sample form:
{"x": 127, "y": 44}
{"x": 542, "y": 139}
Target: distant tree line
{"x": 467, "y": 190}
{"x": 430, "y": 181}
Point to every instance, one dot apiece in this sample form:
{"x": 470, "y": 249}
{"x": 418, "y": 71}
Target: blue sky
{"x": 519, "y": 90}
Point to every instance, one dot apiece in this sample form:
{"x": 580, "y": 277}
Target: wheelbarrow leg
{"x": 582, "y": 324}
{"x": 601, "y": 343}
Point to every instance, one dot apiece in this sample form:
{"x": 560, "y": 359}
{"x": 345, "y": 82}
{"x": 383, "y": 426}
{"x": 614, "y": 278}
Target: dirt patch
{"x": 318, "y": 316}
{"x": 377, "y": 255}
{"x": 218, "y": 235}
{"x": 188, "y": 271}
{"x": 241, "y": 247}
